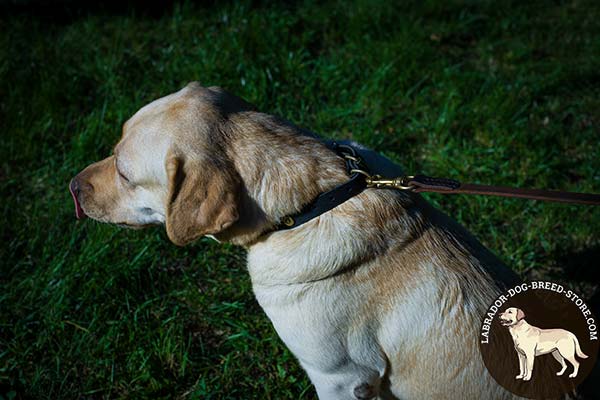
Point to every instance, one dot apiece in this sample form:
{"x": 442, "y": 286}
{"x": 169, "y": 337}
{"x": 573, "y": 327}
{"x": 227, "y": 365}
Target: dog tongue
{"x": 78, "y": 210}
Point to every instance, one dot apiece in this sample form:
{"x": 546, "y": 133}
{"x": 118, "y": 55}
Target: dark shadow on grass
{"x": 59, "y": 12}
{"x": 581, "y": 266}
{"x": 67, "y": 11}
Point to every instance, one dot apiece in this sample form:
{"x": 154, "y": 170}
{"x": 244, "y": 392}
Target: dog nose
{"x": 75, "y": 189}
{"x": 78, "y": 185}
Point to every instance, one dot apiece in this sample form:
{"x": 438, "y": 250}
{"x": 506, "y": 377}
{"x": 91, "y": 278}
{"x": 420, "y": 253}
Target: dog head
{"x": 511, "y": 316}
{"x": 170, "y": 167}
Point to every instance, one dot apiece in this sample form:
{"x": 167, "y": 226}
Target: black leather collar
{"x": 334, "y": 197}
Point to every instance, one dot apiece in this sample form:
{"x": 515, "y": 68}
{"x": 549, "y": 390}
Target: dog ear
{"x": 203, "y": 198}
{"x": 520, "y": 314}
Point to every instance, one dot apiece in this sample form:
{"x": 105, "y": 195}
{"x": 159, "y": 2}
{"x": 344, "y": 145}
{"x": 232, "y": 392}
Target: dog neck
{"x": 519, "y": 326}
{"x": 287, "y": 169}
{"x": 282, "y": 171}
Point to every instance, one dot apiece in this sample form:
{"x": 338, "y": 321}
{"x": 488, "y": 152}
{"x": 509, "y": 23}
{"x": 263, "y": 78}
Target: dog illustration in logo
{"x": 531, "y": 341}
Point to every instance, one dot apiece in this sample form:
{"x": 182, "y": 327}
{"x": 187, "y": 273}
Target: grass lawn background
{"x": 504, "y": 93}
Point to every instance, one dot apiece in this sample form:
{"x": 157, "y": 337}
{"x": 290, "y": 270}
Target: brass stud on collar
{"x": 288, "y": 221}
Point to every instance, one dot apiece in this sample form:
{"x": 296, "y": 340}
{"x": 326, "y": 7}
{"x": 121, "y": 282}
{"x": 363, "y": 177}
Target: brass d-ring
{"x": 360, "y": 171}
{"x": 403, "y": 183}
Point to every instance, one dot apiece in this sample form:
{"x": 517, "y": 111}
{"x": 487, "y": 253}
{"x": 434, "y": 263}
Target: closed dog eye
{"x": 119, "y": 170}
{"x": 122, "y": 175}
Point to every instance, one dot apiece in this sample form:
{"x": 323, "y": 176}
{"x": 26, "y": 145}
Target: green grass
{"x": 489, "y": 92}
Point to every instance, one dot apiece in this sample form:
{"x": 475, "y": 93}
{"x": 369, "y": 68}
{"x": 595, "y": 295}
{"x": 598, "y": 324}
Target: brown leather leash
{"x": 423, "y": 183}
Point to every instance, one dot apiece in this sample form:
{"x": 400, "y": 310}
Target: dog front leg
{"x": 529, "y": 361}
{"x": 521, "y": 365}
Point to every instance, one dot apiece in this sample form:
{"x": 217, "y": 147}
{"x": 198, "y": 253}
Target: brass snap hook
{"x": 401, "y": 183}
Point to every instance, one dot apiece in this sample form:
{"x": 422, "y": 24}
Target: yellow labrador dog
{"x": 531, "y": 341}
{"x": 380, "y": 297}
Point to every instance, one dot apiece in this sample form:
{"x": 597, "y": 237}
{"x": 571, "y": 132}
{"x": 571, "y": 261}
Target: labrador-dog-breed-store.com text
{"x": 380, "y": 297}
